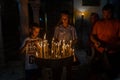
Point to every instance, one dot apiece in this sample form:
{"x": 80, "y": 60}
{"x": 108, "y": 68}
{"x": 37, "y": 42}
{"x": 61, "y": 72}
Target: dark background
{"x": 11, "y": 21}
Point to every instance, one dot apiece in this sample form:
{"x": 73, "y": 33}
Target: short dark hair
{"x": 95, "y": 14}
{"x": 65, "y": 12}
{"x": 35, "y": 24}
{"x": 108, "y": 7}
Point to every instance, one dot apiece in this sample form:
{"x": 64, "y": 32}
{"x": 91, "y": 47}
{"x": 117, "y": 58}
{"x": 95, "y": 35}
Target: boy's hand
{"x": 26, "y": 43}
{"x": 36, "y": 42}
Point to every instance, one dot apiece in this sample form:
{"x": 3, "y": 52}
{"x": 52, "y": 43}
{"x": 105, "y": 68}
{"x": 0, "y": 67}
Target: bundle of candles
{"x": 57, "y": 49}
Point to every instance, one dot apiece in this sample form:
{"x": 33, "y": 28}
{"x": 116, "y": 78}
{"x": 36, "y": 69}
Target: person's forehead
{"x": 35, "y": 27}
{"x": 108, "y": 10}
{"x": 64, "y": 16}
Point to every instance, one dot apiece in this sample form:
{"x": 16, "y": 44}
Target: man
{"x": 106, "y": 39}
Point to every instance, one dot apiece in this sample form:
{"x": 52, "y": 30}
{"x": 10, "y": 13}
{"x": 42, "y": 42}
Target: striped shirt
{"x": 67, "y": 34}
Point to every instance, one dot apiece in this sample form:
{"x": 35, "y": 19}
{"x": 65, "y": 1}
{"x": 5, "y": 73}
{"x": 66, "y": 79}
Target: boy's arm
{"x": 56, "y": 32}
{"x": 23, "y": 48}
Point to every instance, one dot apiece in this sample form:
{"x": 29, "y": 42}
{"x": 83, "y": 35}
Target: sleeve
{"x": 23, "y": 43}
{"x": 56, "y": 32}
{"x": 94, "y": 29}
{"x": 74, "y": 34}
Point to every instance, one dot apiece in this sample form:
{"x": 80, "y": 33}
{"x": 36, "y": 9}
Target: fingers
{"x": 97, "y": 44}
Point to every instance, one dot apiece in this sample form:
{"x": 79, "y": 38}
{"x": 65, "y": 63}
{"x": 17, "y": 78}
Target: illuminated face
{"x": 64, "y": 19}
{"x": 107, "y": 14}
{"x": 35, "y": 32}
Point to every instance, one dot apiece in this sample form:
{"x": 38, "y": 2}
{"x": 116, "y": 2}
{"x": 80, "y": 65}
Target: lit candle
{"x": 41, "y": 53}
{"x": 67, "y": 49}
{"x": 82, "y": 15}
{"x": 44, "y": 49}
{"x": 37, "y": 54}
{"x": 45, "y": 36}
{"x": 53, "y": 39}
{"x": 52, "y": 53}
{"x": 73, "y": 51}
{"x": 55, "y": 50}
{"x": 63, "y": 49}
{"x": 52, "y": 47}
{"x": 63, "y": 41}
{"x": 82, "y": 18}
{"x": 26, "y": 49}
{"x": 59, "y": 48}
{"x": 70, "y": 43}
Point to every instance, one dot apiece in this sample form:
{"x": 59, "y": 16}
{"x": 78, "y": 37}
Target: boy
{"x": 30, "y": 47}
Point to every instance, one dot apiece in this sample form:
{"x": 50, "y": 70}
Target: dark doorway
{"x": 10, "y": 29}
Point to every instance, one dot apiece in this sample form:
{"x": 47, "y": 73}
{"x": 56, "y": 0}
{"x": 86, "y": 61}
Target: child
{"x": 30, "y": 47}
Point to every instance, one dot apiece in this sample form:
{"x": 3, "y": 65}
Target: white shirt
{"x": 30, "y": 54}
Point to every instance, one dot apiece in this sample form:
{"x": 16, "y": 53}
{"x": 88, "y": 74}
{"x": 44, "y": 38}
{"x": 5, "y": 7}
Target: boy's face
{"x": 35, "y": 31}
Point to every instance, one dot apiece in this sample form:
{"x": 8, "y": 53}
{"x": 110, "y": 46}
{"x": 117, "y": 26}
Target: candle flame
{"x": 82, "y": 14}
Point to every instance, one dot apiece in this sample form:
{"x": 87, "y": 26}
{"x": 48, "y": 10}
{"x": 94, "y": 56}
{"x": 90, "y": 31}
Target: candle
{"x": 73, "y": 52}
{"x": 52, "y": 53}
{"x": 53, "y": 39}
{"x": 41, "y": 53}
{"x": 37, "y": 54}
{"x": 45, "y": 36}
{"x": 58, "y": 48}
{"x": 44, "y": 49}
{"x": 55, "y": 50}
{"x": 63, "y": 49}
{"x": 82, "y": 15}
{"x": 70, "y": 43}
{"x": 52, "y": 48}
{"x": 67, "y": 49}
